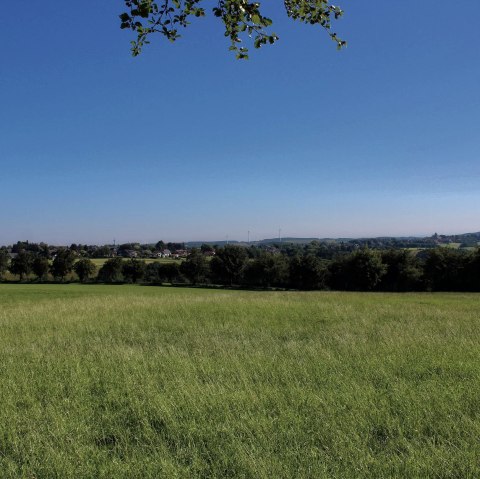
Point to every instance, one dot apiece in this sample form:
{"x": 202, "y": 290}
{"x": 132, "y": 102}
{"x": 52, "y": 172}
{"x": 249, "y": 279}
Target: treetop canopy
{"x": 242, "y": 20}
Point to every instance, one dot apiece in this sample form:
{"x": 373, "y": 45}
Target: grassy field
{"x": 145, "y": 382}
{"x": 99, "y": 262}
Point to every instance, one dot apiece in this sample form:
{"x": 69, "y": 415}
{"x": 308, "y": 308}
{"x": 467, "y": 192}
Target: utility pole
{"x": 248, "y": 236}
{"x": 279, "y": 235}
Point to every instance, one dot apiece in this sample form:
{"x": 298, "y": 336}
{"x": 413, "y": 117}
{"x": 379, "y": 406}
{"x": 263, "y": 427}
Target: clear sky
{"x": 186, "y": 143}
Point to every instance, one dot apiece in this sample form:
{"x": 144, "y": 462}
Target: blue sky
{"x": 186, "y": 143}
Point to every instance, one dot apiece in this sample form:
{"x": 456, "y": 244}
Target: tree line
{"x": 438, "y": 269}
{"x": 326, "y": 249}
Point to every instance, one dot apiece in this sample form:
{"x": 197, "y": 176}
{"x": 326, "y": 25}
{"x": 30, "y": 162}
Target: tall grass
{"x": 143, "y": 382}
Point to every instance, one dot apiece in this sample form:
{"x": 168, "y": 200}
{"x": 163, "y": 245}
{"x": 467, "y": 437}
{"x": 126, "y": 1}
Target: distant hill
{"x": 463, "y": 240}
{"x": 288, "y": 240}
{"x": 197, "y": 244}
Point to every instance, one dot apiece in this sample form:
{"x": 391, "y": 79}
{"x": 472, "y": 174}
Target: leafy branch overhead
{"x": 242, "y": 19}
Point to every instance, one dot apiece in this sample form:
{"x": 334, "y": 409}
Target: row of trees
{"x": 26, "y": 263}
{"x": 94, "y": 251}
{"x": 322, "y": 249}
{"x": 439, "y": 269}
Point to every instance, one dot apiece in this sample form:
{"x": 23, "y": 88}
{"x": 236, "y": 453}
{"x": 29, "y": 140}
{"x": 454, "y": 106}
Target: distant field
{"x": 147, "y": 382}
{"x": 451, "y": 245}
{"x": 100, "y": 261}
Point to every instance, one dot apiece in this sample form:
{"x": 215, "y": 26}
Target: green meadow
{"x": 99, "y": 262}
{"x": 149, "y": 382}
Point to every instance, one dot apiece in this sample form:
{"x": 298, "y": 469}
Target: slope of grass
{"x": 144, "y": 382}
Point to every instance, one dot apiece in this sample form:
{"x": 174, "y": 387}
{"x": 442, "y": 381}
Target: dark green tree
{"x": 195, "y": 267}
{"x": 62, "y": 264}
{"x": 242, "y": 20}
{"x": 170, "y": 273}
{"x": 358, "y": 271}
{"x": 133, "y": 270}
{"x": 472, "y": 271}
{"x": 21, "y": 265}
{"x": 85, "y": 269}
{"x": 308, "y": 272}
{"x": 111, "y": 271}
{"x": 175, "y": 246}
{"x": 267, "y": 270}
{"x": 20, "y": 246}
{"x": 228, "y": 264}
{"x": 403, "y": 271}
{"x": 152, "y": 273}
{"x": 4, "y": 263}
{"x": 163, "y": 273}
{"x": 43, "y": 250}
{"x": 160, "y": 245}
{"x": 40, "y": 267}
{"x": 102, "y": 252}
{"x": 206, "y": 248}
{"x": 445, "y": 269}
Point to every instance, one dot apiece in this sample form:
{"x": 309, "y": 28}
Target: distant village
{"x": 128, "y": 250}
{"x": 326, "y": 247}
{"x": 437, "y": 263}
